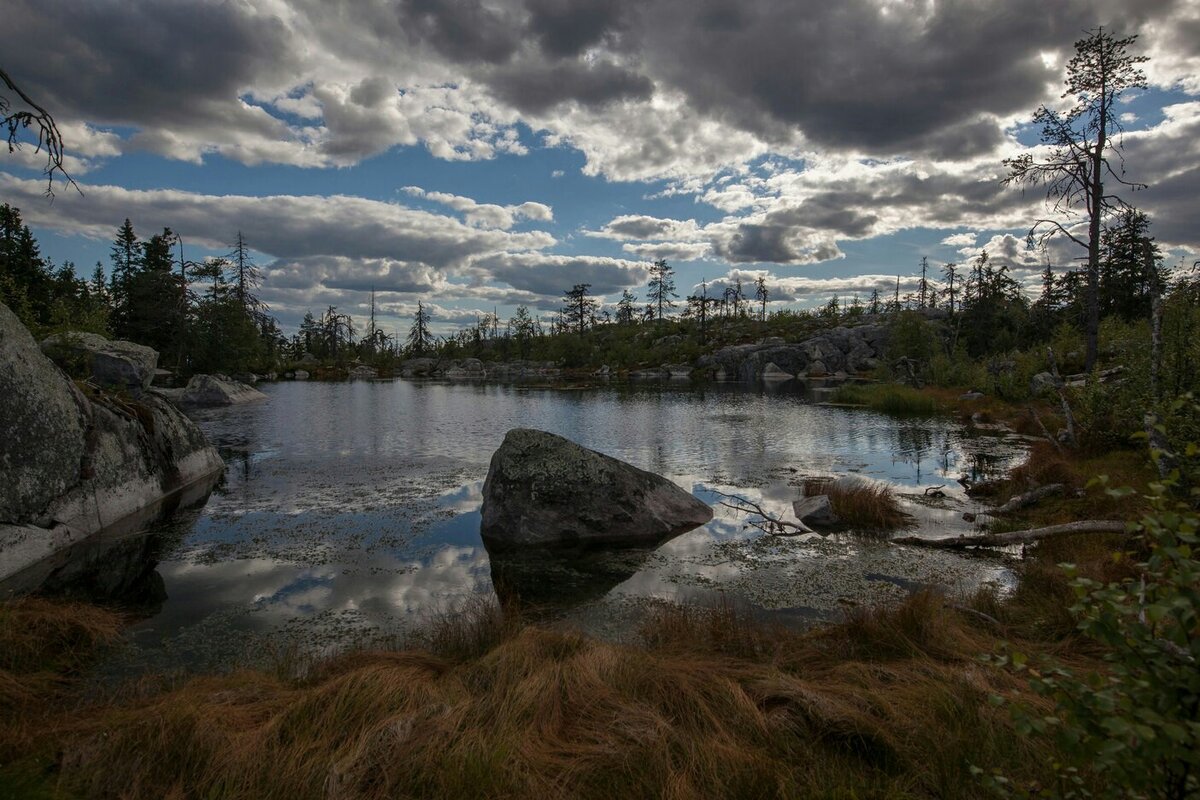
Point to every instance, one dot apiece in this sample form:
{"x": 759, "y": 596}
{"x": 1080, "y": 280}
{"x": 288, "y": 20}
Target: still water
{"x": 352, "y": 509}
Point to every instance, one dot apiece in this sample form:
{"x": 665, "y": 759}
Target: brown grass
{"x": 860, "y": 504}
{"x": 892, "y": 703}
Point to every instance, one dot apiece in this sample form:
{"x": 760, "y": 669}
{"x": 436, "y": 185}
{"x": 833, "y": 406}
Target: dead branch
{"x": 1015, "y": 537}
{"x": 766, "y": 522}
{"x": 1058, "y": 386}
{"x": 48, "y": 136}
{"x": 1042, "y": 427}
{"x": 1029, "y": 498}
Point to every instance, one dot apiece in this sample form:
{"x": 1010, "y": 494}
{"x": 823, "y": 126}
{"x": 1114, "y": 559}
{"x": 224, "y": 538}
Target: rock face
{"x": 208, "y": 391}
{"x": 363, "y": 373}
{"x": 542, "y": 489}
{"x": 71, "y": 465}
{"x": 111, "y": 363}
{"x": 844, "y": 350}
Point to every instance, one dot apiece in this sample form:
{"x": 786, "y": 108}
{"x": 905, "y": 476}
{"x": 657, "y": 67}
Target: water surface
{"x": 352, "y": 509}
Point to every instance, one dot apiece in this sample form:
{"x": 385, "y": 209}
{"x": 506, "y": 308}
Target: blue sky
{"x": 477, "y": 155}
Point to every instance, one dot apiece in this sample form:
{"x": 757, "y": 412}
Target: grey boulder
{"x": 73, "y": 464}
{"x": 208, "y": 391}
{"x": 815, "y": 511}
{"x": 111, "y": 363}
{"x": 542, "y": 489}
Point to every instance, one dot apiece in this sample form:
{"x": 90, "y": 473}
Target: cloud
{"x": 641, "y": 226}
{"x": 486, "y": 215}
{"x": 960, "y": 239}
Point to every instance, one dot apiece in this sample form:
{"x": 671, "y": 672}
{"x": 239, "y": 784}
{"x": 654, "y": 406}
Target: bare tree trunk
{"x": 1155, "y": 320}
{"x": 1015, "y": 537}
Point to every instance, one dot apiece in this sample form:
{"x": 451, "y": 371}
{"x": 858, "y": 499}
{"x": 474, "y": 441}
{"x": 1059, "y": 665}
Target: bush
{"x": 1132, "y": 730}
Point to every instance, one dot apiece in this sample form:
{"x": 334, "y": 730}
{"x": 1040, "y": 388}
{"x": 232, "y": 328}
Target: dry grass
{"x": 892, "y": 703}
{"x": 861, "y": 505}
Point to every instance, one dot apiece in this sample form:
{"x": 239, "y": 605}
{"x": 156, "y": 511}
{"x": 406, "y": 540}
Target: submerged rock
{"x": 815, "y": 511}
{"x": 111, "y": 363}
{"x": 70, "y": 464}
{"x": 207, "y": 391}
{"x": 542, "y": 489}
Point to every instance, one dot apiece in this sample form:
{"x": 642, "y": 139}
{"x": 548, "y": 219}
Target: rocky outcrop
{"x": 72, "y": 464}
{"x": 474, "y": 369}
{"x": 210, "y": 391}
{"x": 362, "y": 373}
{"x": 113, "y": 364}
{"x": 844, "y": 350}
{"x": 542, "y": 489}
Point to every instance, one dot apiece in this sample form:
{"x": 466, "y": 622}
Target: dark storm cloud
{"x": 568, "y": 27}
{"x": 464, "y": 31}
{"x": 883, "y": 78}
{"x": 535, "y": 87}
{"x": 145, "y": 62}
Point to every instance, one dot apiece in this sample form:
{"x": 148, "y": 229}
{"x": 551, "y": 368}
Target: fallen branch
{"x": 1029, "y": 498}
{"x": 1058, "y": 387}
{"x": 1015, "y": 537}
{"x": 1042, "y": 427}
{"x": 766, "y": 522}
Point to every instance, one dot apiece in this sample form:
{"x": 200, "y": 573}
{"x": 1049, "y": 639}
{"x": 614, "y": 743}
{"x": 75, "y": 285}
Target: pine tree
{"x": 761, "y": 294}
{"x": 662, "y": 288}
{"x": 578, "y": 307}
{"x": 420, "y": 340}
{"x": 625, "y": 311}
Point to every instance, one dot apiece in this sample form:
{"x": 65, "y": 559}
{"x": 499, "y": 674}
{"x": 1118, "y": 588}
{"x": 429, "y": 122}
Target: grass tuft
{"x": 888, "y": 398}
{"x": 862, "y": 504}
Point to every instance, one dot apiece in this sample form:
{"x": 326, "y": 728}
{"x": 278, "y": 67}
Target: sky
{"x": 476, "y": 155}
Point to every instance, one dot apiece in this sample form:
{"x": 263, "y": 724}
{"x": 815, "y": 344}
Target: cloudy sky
{"x": 479, "y": 154}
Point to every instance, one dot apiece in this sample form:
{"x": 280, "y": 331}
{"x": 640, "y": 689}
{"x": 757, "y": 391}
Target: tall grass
{"x": 888, "y": 398}
{"x": 864, "y": 505}
{"x": 892, "y": 703}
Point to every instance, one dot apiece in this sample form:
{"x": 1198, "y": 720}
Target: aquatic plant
{"x": 888, "y": 398}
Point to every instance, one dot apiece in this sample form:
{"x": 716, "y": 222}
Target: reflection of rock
{"x": 71, "y": 465}
{"x": 544, "y": 489}
{"x": 561, "y": 578}
{"x": 206, "y": 391}
{"x": 115, "y": 565}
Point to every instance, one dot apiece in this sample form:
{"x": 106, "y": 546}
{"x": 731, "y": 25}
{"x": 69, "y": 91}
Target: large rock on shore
{"x": 111, "y": 363}
{"x": 72, "y": 464}
{"x": 542, "y": 489}
{"x": 210, "y": 391}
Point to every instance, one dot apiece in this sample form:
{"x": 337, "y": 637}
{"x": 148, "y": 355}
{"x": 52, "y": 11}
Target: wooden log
{"x": 1029, "y": 498}
{"x": 1016, "y": 537}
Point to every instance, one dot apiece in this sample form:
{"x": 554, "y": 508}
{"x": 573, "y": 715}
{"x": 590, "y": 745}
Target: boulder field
{"x": 75, "y": 460}
{"x": 544, "y": 490}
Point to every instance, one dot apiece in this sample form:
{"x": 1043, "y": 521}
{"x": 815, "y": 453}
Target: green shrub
{"x": 1131, "y": 730}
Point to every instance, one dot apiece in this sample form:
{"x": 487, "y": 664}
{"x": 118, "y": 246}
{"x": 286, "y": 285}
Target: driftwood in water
{"x": 1029, "y": 498}
{"x": 1015, "y": 537}
{"x": 765, "y": 522}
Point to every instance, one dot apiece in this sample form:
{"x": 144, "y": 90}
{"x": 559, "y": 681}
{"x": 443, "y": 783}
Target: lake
{"x": 351, "y": 510}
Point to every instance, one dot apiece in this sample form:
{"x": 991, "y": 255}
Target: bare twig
{"x": 48, "y": 136}
{"x": 766, "y": 522}
{"x": 1015, "y": 537}
{"x": 1042, "y": 427}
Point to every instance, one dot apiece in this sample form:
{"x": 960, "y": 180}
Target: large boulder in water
{"x": 72, "y": 464}
{"x": 207, "y": 391}
{"x": 542, "y": 489}
{"x": 109, "y": 362}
